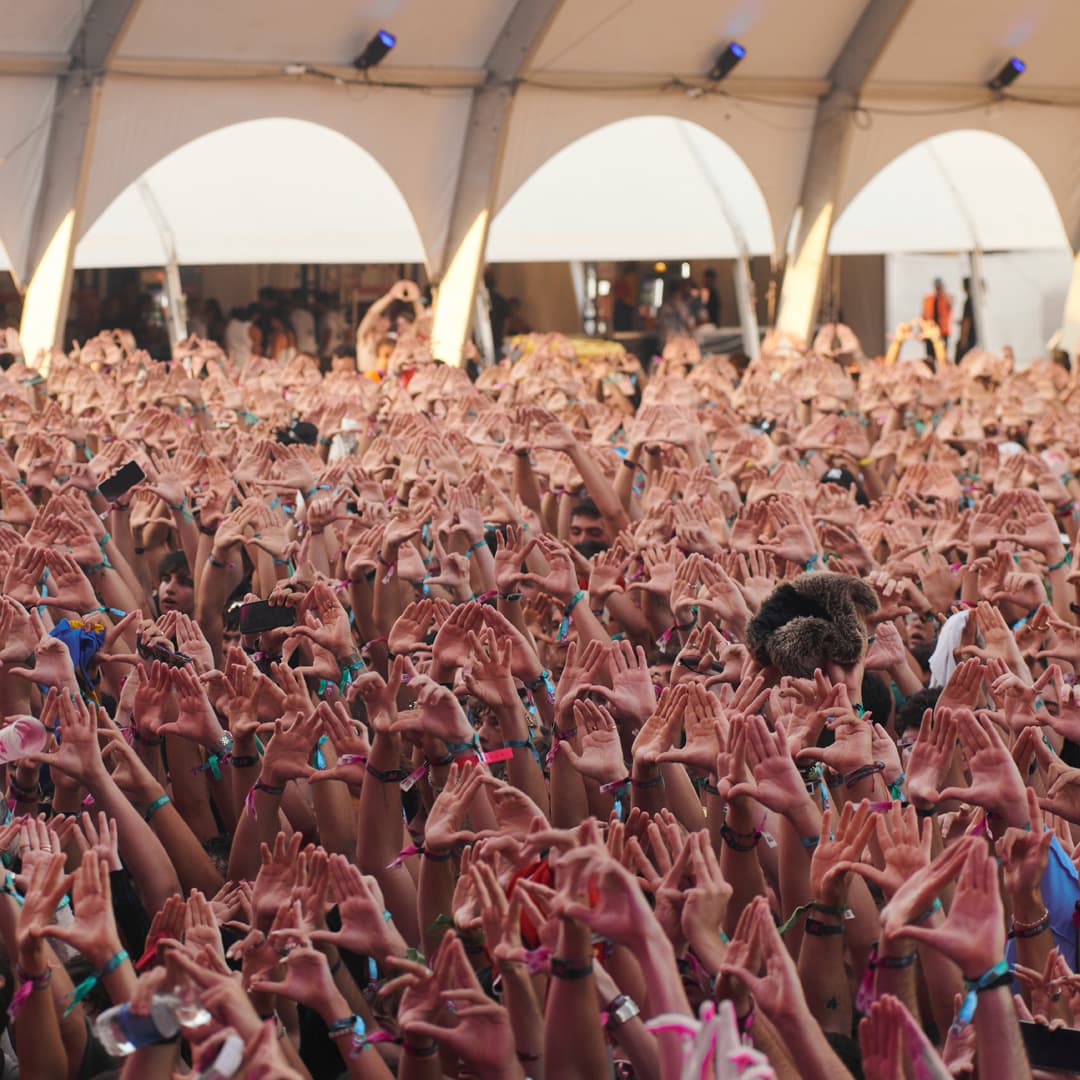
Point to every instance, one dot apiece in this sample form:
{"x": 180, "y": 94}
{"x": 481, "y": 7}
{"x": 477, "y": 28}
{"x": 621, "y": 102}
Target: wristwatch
{"x": 619, "y": 1010}
{"x": 225, "y": 744}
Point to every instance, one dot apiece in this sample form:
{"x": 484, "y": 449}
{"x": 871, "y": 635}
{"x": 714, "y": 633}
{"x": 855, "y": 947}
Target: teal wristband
{"x": 155, "y": 806}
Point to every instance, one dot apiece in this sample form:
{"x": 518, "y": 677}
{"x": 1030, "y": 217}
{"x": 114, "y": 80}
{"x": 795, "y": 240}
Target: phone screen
{"x": 262, "y": 615}
{"x": 122, "y": 481}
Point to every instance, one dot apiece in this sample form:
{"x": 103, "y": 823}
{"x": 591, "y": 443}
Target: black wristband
{"x": 817, "y": 928}
{"x": 563, "y": 969}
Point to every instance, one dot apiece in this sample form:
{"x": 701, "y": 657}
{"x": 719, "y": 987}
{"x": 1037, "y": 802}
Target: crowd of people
{"x": 573, "y": 721}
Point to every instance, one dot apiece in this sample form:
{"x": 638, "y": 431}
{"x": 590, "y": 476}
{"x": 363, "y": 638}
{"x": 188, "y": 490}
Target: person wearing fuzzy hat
{"x": 815, "y": 621}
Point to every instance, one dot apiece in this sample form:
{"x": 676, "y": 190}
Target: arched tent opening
{"x": 647, "y": 187}
{"x": 644, "y": 188}
{"x": 272, "y": 190}
{"x": 945, "y": 198}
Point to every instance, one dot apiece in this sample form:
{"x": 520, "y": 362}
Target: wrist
{"x": 331, "y": 1005}
{"x": 1027, "y": 905}
{"x": 103, "y": 950}
{"x": 805, "y": 818}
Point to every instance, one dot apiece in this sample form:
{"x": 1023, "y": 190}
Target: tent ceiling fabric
{"x": 682, "y": 36}
{"x": 912, "y": 204}
{"x": 40, "y": 26}
{"x": 430, "y": 33}
{"x": 344, "y": 210}
{"x": 601, "y": 197}
{"x": 928, "y": 81}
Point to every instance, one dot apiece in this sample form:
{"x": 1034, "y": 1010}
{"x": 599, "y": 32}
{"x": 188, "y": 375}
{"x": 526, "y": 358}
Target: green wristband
{"x": 155, "y": 806}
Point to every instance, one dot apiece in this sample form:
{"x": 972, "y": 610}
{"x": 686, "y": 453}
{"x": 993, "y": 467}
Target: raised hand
{"x": 601, "y": 756}
{"x": 973, "y": 932}
{"x": 996, "y": 784}
{"x": 443, "y": 829}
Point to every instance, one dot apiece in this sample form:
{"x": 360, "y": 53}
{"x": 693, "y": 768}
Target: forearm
{"x": 190, "y": 789}
{"x": 823, "y": 975}
{"x": 569, "y": 800}
{"x": 142, "y": 852}
{"x": 334, "y": 811}
{"x": 647, "y": 790}
{"x": 681, "y": 797}
{"x": 600, "y": 490}
{"x": 894, "y": 975}
{"x": 379, "y": 811}
{"x": 794, "y": 863}
{"x": 629, "y": 617}
{"x": 740, "y": 868}
{"x": 523, "y": 769}
{"x": 997, "y": 1035}
{"x": 808, "y": 1045}
{"x": 38, "y": 1039}
{"x": 194, "y": 867}
{"x": 573, "y": 1039}
{"x": 1032, "y": 949}
{"x": 434, "y": 897}
{"x": 526, "y": 1017}
{"x": 941, "y": 978}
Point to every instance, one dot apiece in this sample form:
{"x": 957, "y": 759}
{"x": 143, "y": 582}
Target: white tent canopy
{"x": 478, "y": 96}
{"x": 265, "y": 191}
{"x": 608, "y": 197}
{"x": 954, "y": 192}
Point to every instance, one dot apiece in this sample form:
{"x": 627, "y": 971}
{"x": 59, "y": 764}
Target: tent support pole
{"x": 457, "y": 267}
{"x": 834, "y": 127}
{"x": 58, "y": 210}
{"x": 744, "y": 301}
{"x": 1069, "y": 338}
{"x": 978, "y": 296}
{"x": 174, "y": 292}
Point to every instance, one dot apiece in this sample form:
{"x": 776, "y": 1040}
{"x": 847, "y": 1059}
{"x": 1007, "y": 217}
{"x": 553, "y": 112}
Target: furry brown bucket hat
{"x": 812, "y": 620}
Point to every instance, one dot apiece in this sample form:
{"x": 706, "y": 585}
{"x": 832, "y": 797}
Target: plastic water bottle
{"x": 122, "y": 1032}
{"x": 21, "y": 735}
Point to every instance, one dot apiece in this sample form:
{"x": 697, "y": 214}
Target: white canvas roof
{"x": 182, "y": 72}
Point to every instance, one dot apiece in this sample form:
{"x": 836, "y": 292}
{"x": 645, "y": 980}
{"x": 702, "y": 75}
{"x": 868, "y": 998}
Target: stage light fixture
{"x": 1012, "y": 70}
{"x": 726, "y": 61}
{"x": 375, "y": 51}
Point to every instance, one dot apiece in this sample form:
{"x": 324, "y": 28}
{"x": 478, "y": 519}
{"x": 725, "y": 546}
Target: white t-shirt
{"x": 303, "y": 324}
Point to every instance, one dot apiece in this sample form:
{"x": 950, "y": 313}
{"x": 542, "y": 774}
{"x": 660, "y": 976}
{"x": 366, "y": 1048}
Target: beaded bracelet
{"x": 1032, "y": 929}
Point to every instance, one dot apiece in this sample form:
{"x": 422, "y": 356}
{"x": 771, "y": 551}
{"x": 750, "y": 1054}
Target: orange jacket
{"x": 938, "y": 309}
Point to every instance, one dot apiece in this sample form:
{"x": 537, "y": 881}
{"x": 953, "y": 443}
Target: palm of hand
{"x": 407, "y": 634}
{"x": 601, "y": 756}
{"x": 420, "y": 1002}
{"x": 779, "y": 784}
{"x": 273, "y": 887}
{"x": 361, "y": 925}
{"x": 633, "y": 697}
{"x": 451, "y": 645}
{"x": 852, "y": 747}
{"x": 902, "y": 862}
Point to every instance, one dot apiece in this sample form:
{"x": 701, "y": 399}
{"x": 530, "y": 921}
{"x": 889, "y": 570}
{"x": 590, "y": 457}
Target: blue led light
{"x": 387, "y": 38}
{"x": 740, "y": 51}
{"x": 1017, "y": 65}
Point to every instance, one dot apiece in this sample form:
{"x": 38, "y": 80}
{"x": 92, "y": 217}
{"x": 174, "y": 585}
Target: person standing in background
{"x": 968, "y": 333}
{"x": 937, "y": 308}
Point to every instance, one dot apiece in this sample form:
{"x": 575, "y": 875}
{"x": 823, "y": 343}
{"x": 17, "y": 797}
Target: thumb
{"x": 962, "y": 794}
